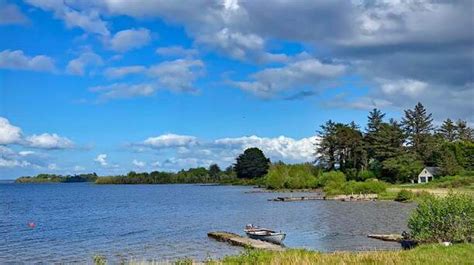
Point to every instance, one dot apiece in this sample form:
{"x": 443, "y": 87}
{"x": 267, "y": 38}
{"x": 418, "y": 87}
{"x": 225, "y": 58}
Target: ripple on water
{"x": 74, "y": 222}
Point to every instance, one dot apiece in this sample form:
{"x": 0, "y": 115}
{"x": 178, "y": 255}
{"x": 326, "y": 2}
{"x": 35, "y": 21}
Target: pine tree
{"x": 448, "y": 130}
{"x": 463, "y": 131}
{"x": 418, "y": 126}
{"x": 326, "y": 149}
{"x": 375, "y": 121}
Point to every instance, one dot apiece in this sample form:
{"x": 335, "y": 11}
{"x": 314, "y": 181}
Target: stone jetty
{"x": 352, "y": 197}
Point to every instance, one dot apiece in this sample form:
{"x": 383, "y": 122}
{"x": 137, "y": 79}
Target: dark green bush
{"x": 404, "y": 196}
{"x": 443, "y": 219}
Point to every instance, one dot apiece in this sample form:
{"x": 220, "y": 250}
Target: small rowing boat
{"x": 264, "y": 234}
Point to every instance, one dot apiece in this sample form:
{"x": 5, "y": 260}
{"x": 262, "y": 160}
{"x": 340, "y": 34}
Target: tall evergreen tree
{"x": 375, "y": 121}
{"x": 448, "y": 130}
{"x": 463, "y": 131}
{"x": 418, "y": 125}
{"x": 326, "y": 149}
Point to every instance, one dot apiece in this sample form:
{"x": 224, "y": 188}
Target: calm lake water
{"x": 74, "y": 222}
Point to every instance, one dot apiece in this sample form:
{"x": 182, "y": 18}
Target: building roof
{"x": 433, "y": 170}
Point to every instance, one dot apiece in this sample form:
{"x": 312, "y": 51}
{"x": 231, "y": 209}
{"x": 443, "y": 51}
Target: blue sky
{"x": 113, "y": 86}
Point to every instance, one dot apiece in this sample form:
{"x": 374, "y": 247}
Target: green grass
{"x": 427, "y": 254}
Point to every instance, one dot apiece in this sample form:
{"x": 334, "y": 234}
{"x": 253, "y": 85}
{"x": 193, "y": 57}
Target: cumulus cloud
{"x": 129, "y": 39}
{"x": 177, "y": 75}
{"x": 427, "y": 41}
{"x": 17, "y": 60}
{"x": 281, "y": 147}
{"x": 124, "y": 90}
{"x": 139, "y": 164}
{"x": 49, "y": 141}
{"x": 102, "y": 160}
{"x": 86, "y": 59}
{"x": 302, "y": 74}
{"x": 86, "y": 17}
{"x": 170, "y": 140}
{"x": 11, "y": 14}
{"x": 9, "y": 133}
{"x": 119, "y": 72}
{"x": 176, "y": 51}
{"x": 184, "y": 151}
{"x": 10, "y": 159}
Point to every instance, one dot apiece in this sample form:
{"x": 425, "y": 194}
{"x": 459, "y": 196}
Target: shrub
{"x": 333, "y": 182}
{"x": 404, "y": 196}
{"x": 331, "y": 176}
{"x": 298, "y": 176}
{"x": 443, "y": 219}
{"x": 365, "y": 175}
{"x": 369, "y": 186}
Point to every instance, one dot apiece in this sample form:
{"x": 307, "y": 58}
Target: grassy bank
{"x": 428, "y": 254}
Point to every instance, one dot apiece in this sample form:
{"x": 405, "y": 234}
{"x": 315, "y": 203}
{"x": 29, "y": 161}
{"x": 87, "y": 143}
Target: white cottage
{"x": 427, "y": 174}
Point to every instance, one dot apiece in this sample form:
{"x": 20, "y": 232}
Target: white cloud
{"x": 53, "y": 166}
{"x": 176, "y": 51}
{"x": 26, "y": 153}
{"x": 17, "y": 60}
{"x": 123, "y": 90}
{"x": 8, "y": 133}
{"x": 404, "y": 87}
{"x": 119, "y": 72}
{"x": 177, "y": 75}
{"x": 281, "y": 147}
{"x": 102, "y": 160}
{"x": 302, "y": 74}
{"x": 184, "y": 151}
{"x": 88, "y": 19}
{"x": 79, "y": 168}
{"x": 78, "y": 66}
{"x": 11, "y": 14}
{"x": 49, "y": 141}
{"x": 8, "y": 163}
{"x": 9, "y": 159}
{"x": 170, "y": 140}
{"x": 129, "y": 39}
{"x": 138, "y": 163}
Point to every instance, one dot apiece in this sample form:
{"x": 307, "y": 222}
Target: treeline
{"x": 213, "y": 174}
{"x": 43, "y": 178}
{"x": 396, "y": 151}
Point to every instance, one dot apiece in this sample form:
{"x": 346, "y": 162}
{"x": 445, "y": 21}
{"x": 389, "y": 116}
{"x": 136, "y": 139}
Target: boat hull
{"x": 275, "y": 238}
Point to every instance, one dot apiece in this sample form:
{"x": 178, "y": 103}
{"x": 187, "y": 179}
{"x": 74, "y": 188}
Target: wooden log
{"x": 237, "y": 240}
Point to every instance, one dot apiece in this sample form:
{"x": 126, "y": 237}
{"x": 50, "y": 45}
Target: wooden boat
{"x": 264, "y": 234}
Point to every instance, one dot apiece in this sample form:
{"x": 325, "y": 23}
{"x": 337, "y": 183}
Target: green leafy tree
{"x": 251, "y": 164}
{"x": 402, "y": 168}
{"x": 214, "y": 172}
